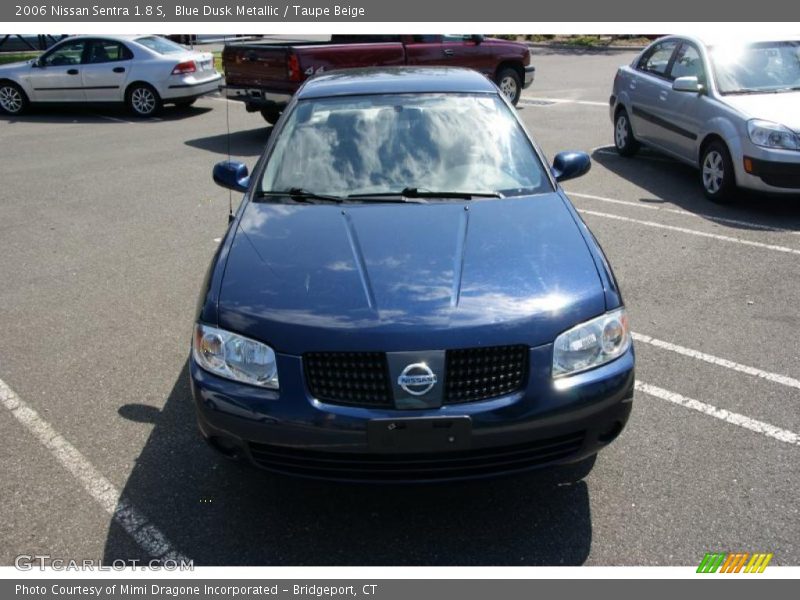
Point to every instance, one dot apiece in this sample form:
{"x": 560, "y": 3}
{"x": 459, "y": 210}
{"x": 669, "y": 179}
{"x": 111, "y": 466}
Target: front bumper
{"x": 767, "y": 170}
{"x": 530, "y": 73}
{"x": 293, "y": 433}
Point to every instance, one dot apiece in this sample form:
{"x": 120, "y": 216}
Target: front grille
{"x": 475, "y": 374}
{"x": 352, "y": 378}
{"x": 416, "y": 467}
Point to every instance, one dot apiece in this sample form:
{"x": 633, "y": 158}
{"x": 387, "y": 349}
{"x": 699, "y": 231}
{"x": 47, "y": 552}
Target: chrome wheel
{"x": 143, "y": 100}
{"x": 11, "y": 99}
{"x": 508, "y": 85}
{"x": 621, "y": 131}
{"x": 713, "y": 172}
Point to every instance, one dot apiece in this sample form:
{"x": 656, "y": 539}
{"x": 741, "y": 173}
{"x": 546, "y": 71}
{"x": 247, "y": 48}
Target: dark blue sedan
{"x": 406, "y": 294}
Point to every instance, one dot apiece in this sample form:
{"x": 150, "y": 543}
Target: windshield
{"x": 361, "y": 145}
{"x": 762, "y": 67}
{"x": 160, "y": 45}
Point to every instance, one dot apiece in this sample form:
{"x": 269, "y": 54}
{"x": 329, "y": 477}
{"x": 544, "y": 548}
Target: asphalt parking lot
{"x": 107, "y": 226}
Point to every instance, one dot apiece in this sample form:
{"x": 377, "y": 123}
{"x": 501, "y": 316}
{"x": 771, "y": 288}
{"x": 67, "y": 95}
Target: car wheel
{"x": 271, "y": 115}
{"x": 13, "y": 100}
{"x": 717, "y": 176}
{"x": 184, "y": 103}
{"x": 143, "y": 100}
{"x": 510, "y": 84}
{"x": 624, "y": 141}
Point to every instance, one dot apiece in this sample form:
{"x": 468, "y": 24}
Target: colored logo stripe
{"x": 711, "y": 562}
{"x": 758, "y": 563}
{"x": 733, "y": 562}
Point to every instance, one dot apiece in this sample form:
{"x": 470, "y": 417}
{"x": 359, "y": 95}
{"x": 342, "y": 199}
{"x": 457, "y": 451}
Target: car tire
{"x": 624, "y": 140}
{"x": 510, "y": 84}
{"x": 143, "y": 100}
{"x": 13, "y": 100}
{"x": 271, "y": 115}
{"x": 184, "y": 104}
{"x": 716, "y": 173}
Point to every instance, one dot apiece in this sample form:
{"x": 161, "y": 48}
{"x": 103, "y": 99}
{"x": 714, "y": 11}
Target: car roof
{"x": 395, "y": 80}
{"x": 710, "y": 40}
{"x": 120, "y": 37}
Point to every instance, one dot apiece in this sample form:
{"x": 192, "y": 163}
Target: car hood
{"x": 779, "y": 108}
{"x": 408, "y": 276}
{"x": 15, "y": 67}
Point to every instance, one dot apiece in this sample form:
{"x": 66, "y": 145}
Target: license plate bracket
{"x": 419, "y": 435}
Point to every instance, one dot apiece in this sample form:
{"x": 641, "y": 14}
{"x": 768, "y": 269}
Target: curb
{"x": 612, "y": 48}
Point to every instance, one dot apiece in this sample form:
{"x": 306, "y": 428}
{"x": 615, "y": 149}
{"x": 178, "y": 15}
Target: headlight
{"x": 771, "y": 135}
{"x": 234, "y": 357}
{"x": 592, "y": 343}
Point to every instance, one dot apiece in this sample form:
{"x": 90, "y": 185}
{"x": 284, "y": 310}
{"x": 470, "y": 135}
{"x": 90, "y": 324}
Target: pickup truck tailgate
{"x": 252, "y": 65}
{"x": 269, "y": 65}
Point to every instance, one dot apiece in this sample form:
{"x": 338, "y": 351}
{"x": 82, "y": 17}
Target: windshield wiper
{"x": 747, "y": 91}
{"x": 300, "y": 195}
{"x": 393, "y": 197}
{"x": 765, "y": 91}
{"x": 412, "y": 192}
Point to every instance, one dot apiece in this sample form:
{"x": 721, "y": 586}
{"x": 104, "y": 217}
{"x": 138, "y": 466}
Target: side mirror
{"x": 476, "y": 38}
{"x": 687, "y": 84}
{"x": 232, "y": 175}
{"x": 569, "y": 165}
{"x": 37, "y": 63}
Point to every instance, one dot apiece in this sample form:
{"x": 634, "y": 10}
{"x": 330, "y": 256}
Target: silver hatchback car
{"x": 730, "y": 108}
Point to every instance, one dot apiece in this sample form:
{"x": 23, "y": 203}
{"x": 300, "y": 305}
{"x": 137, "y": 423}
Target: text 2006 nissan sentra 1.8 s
{"x": 406, "y": 294}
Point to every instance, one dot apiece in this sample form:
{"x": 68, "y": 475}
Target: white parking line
{"x": 685, "y": 213}
{"x": 149, "y": 538}
{"x": 536, "y": 100}
{"x": 716, "y": 360}
{"x": 782, "y": 435}
{"x": 713, "y": 236}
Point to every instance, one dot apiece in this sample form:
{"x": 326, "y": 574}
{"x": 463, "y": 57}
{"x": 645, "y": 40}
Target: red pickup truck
{"x": 264, "y": 75}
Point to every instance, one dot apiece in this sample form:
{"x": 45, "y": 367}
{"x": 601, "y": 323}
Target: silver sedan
{"x": 729, "y": 108}
{"x": 143, "y": 71}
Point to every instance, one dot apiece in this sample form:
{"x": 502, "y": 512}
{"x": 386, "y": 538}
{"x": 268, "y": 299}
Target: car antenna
{"x": 228, "y": 127}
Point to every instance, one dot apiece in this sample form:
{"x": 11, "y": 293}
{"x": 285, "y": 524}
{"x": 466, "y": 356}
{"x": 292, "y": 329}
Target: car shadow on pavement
{"x": 219, "y": 512}
{"x": 250, "y": 142}
{"x": 667, "y": 180}
{"x": 99, "y": 114}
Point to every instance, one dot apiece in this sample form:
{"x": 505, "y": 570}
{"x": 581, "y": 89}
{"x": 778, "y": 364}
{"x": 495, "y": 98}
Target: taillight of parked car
{"x": 187, "y": 66}
{"x": 294, "y": 68}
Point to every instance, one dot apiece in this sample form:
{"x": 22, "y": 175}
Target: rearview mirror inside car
{"x": 687, "y": 84}
{"x": 570, "y": 164}
{"x": 232, "y": 175}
